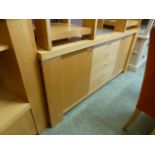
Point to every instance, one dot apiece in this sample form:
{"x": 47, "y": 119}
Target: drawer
{"x": 104, "y": 56}
{"x": 100, "y": 78}
{"x": 105, "y": 52}
{"x": 103, "y": 63}
{"x": 102, "y": 67}
{"x": 100, "y": 74}
{"x": 107, "y": 46}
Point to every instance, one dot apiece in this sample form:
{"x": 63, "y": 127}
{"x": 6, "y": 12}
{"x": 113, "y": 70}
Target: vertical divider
{"x": 121, "y": 25}
{"x": 139, "y": 24}
{"x": 92, "y": 23}
{"x": 100, "y": 23}
{"x": 43, "y": 33}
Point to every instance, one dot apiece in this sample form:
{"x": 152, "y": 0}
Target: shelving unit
{"x": 22, "y": 108}
{"x": 47, "y": 32}
{"x": 140, "y": 52}
{"x": 14, "y": 106}
{"x": 11, "y": 109}
{"x": 122, "y": 25}
{"x": 3, "y": 47}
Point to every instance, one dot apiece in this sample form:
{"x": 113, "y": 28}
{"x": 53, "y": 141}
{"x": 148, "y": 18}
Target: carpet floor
{"x": 106, "y": 110}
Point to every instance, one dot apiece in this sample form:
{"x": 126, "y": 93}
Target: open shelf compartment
{"x": 47, "y": 32}
{"x": 64, "y": 30}
{"x": 122, "y": 24}
{"x": 11, "y": 109}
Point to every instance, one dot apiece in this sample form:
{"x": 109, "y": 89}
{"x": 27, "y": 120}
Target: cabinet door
{"x": 75, "y": 68}
{"x": 122, "y": 54}
{"x": 103, "y": 63}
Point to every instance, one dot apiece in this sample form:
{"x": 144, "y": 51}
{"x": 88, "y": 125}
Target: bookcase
{"x": 21, "y": 98}
{"x": 140, "y": 52}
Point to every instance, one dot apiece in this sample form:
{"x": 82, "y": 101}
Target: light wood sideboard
{"x": 73, "y": 71}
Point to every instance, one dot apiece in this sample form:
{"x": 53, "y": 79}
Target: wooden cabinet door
{"x": 122, "y": 55}
{"x": 75, "y": 68}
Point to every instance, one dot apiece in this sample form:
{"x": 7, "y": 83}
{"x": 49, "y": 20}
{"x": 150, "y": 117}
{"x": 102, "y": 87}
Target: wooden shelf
{"x": 66, "y": 41}
{"x": 11, "y": 109}
{"x": 128, "y": 23}
{"x": 132, "y": 22}
{"x": 110, "y": 22}
{"x": 103, "y": 31}
{"x": 3, "y": 47}
{"x": 63, "y": 30}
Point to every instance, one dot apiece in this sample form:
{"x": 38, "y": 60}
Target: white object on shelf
{"x": 140, "y": 52}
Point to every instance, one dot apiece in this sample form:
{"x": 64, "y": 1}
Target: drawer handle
{"x": 109, "y": 43}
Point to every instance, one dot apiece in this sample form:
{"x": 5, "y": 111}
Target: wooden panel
{"x": 23, "y": 126}
{"x": 110, "y": 22}
{"x": 121, "y": 25}
{"x": 122, "y": 54}
{"x": 11, "y": 109}
{"x": 103, "y": 62}
{"x": 92, "y": 23}
{"x": 100, "y": 23}
{"x": 22, "y": 37}
{"x": 75, "y": 76}
{"x": 66, "y": 81}
{"x": 10, "y": 76}
{"x": 78, "y": 45}
{"x": 52, "y": 78}
{"x": 43, "y": 33}
{"x": 132, "y": 22}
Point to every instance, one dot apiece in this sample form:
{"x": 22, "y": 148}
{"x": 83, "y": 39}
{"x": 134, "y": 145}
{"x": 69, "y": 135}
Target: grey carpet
{"x": 105, "y": 111}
